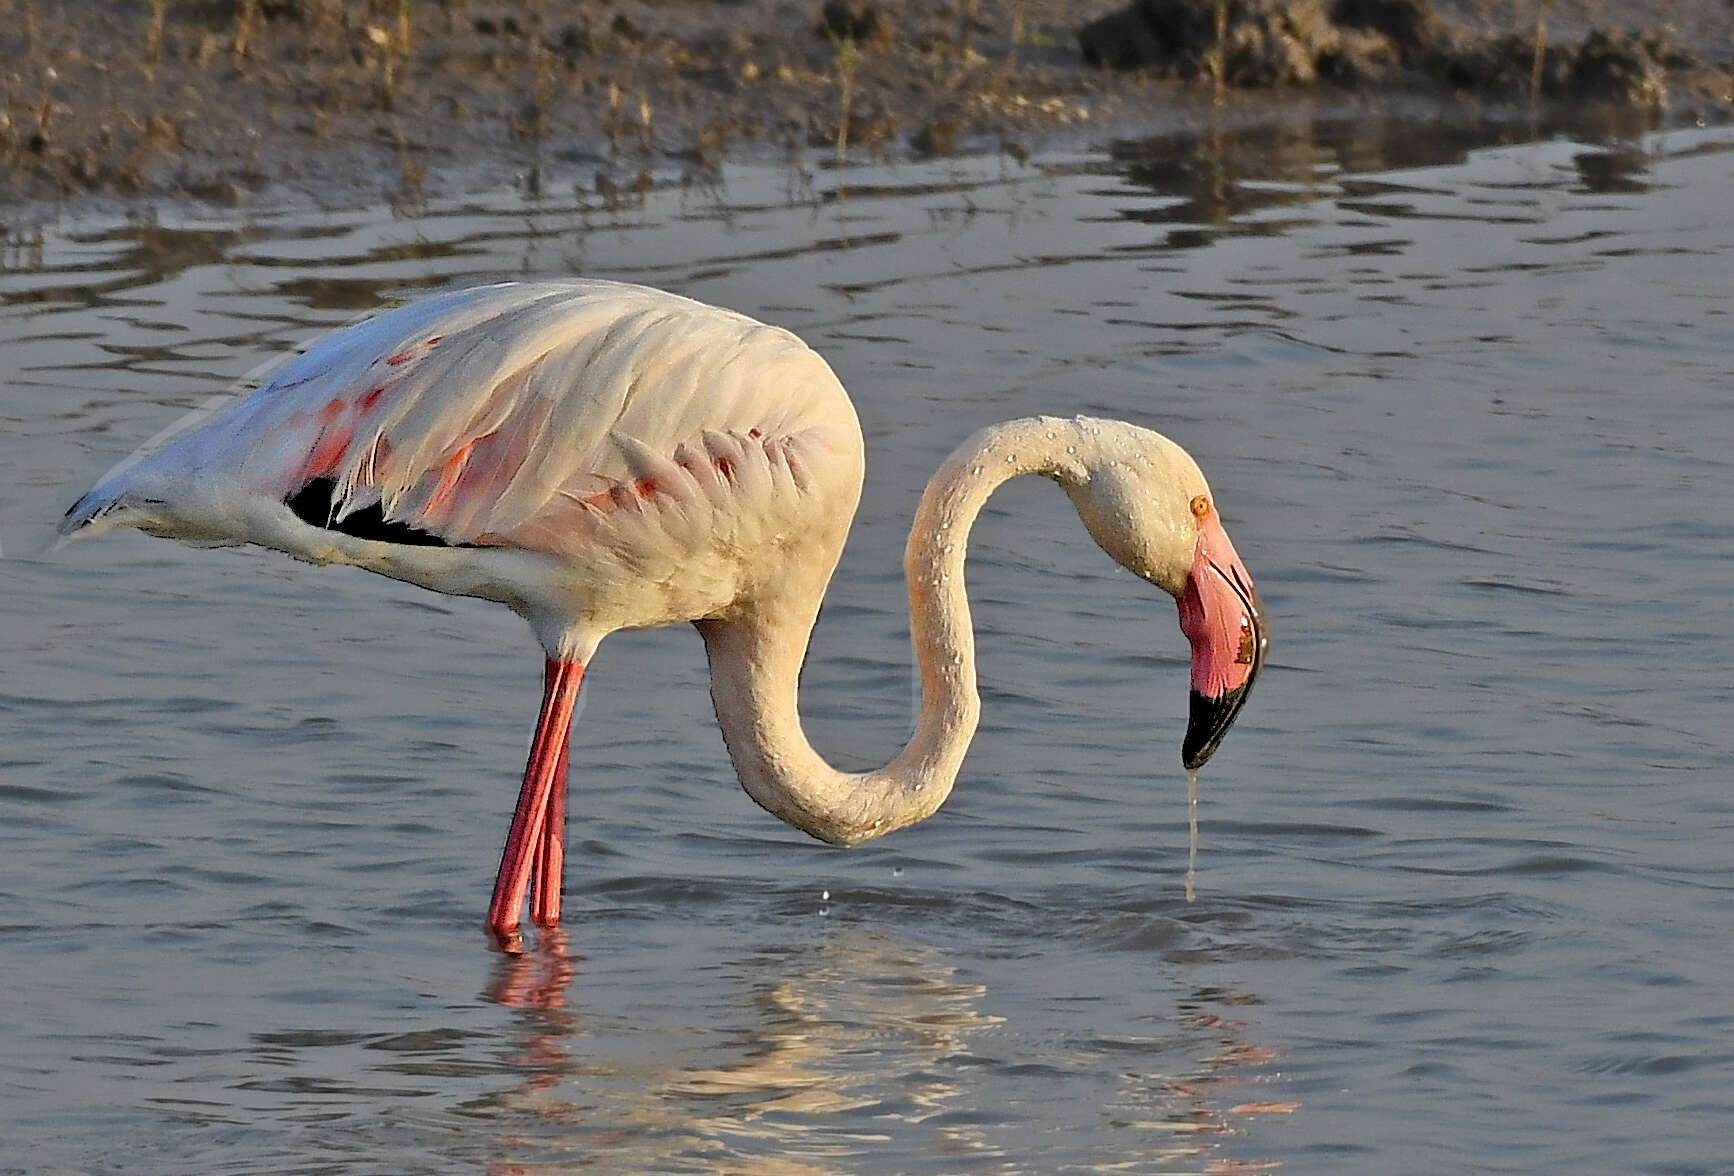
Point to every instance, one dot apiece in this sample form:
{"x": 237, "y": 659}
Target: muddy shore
{"x": 222, "y": 100}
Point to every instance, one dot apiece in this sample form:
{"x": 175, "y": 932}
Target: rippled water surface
{"x": 1466, "y": 892}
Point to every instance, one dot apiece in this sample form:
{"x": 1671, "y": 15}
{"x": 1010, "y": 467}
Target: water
{"x": 1465, "y": 895}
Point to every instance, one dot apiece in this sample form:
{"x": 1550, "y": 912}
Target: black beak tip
{"x": 1207, "y": 722}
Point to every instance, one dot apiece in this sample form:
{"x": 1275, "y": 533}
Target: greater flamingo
{"x": 599, "y": 456}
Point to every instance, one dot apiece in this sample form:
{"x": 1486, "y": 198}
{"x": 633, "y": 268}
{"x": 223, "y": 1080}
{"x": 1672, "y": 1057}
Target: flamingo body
{"x": 596, "y": 456}
{"x": 600, "y": 456}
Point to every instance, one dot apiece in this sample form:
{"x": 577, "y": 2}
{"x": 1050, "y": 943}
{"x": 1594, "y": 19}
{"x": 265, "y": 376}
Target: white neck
{"x": 756, "y": 659}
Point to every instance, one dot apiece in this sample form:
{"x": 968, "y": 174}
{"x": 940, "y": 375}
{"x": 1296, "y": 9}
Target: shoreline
{"x": 230, "y": 102}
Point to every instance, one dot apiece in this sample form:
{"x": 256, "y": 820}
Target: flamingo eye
{"x": 1200, "y": 506}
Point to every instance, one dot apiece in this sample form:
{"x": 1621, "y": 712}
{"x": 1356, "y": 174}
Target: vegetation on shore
{"x": 215, "y": 98}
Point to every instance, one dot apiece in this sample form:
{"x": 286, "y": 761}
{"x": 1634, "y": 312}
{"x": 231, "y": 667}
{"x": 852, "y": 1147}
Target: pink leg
{"x": 551, "y": 849}
{"x": 559, "y": 694}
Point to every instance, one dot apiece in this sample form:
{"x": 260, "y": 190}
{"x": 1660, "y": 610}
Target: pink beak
{"x": 1221, "y": 615}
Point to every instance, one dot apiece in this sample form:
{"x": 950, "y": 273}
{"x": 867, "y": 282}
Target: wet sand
{"x": 224, "y": 100}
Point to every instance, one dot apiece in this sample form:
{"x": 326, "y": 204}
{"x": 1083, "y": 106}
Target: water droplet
{"x": 1010, "y": 458}
{"x": 948, "y": 549}
{"x": 1071, "y": 449}
{"x": 1050, "y": 434}
{"x": 824, "y": 896}
{"x": 897, "y": 871}
{"x": 976, "y": 470}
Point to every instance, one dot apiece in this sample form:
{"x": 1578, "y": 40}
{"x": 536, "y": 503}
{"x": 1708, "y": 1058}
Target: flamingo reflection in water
{"x": 863, "y": 1039}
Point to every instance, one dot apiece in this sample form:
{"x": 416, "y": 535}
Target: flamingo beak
{"x": 1222, "y": 616}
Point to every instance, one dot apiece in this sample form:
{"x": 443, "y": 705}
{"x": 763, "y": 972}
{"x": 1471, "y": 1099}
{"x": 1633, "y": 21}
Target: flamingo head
{"x": 1145, "y": 501}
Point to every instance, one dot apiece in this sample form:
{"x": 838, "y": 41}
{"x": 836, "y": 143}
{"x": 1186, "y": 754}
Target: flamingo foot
{"x": 530, "y": 838}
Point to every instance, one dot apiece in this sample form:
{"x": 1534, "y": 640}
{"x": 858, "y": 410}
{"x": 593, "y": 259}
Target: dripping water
{"x": 1191, "y": 834}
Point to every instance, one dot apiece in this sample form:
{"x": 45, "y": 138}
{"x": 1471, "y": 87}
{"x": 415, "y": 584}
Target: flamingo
{"x": 599, "y": 456}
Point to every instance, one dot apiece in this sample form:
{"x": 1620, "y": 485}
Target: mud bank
{"x": 219, "y": 100}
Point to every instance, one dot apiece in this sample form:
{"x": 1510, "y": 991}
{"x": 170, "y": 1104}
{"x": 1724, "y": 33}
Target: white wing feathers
{"x": 473, "y": 414}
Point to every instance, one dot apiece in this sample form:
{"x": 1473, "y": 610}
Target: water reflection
{"x": 859, "y": 1044}
{"x": 826, "y": 1038}
{"x": 538, "y": 978}
{"x": 1225, "y": 178}
{"x": 1621, "y": 168}
{"x": 111, "y": 261}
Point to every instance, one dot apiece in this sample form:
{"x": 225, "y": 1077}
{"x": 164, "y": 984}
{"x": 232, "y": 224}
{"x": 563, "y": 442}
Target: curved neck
{"x": 756, "y": 657}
